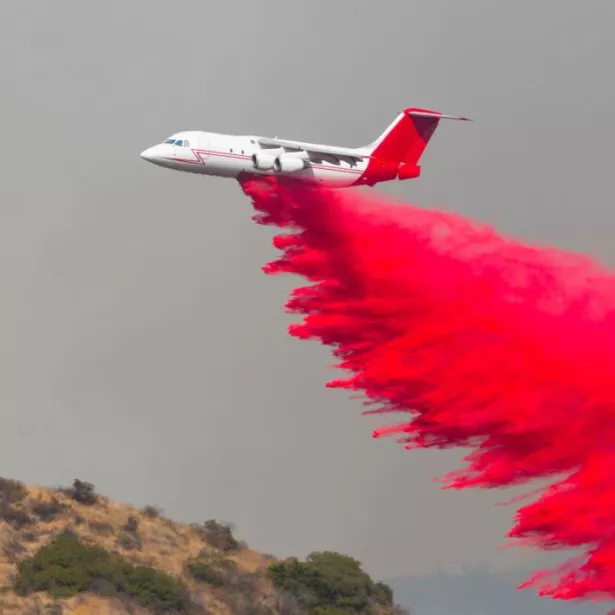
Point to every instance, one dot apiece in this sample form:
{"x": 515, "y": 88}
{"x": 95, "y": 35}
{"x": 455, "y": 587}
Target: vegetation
{"x": 11, "y": 492}
{"x": 67, "y": 567}
{"x": 213, "y": 569}
{"x": 12, "y": 495}
{"x": 205, "y": 573}
{"x": 218, "y": 535}
{"x": 47, "y": 511}
{"x": 152, "y": 512}
{"x": 114, "y": 551}
{"x": 382, "y": 594}
{"x": 131, "y": 525}
{"x": 329, "y": 583}
{"x": 83, "y": 493}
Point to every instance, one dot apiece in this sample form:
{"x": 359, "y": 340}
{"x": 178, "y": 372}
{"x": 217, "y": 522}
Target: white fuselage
{"x": 394, "y": 155}
{"x": 230, "y": 156}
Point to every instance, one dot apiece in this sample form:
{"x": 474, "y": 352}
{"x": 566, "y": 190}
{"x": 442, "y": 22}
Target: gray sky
{"x": 142, "y": 347}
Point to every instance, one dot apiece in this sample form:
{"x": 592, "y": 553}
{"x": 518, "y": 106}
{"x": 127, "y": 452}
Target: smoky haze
{"x": 143, "y": 349}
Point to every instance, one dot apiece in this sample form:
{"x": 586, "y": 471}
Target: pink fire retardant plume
{"x": 482, "y": 341}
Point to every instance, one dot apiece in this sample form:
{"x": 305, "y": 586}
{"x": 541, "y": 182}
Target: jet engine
{"x": 262, "y": 161}
{"x": 287, "y": 163}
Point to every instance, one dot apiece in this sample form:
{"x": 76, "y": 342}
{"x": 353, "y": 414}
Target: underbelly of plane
{"x": 232, "y": 164}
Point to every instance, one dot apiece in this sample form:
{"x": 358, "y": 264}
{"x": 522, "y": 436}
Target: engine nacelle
{"x": 263, "y": 161}
{"x": 287, "y": 163}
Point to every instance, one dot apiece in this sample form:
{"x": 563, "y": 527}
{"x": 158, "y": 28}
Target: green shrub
{"x": 330, "y": 583}
{"x": 212, "y": 568}
{"x": 205, "y": 573}
{"x": 67, "y": 567}
{"x": 383, "y": 594}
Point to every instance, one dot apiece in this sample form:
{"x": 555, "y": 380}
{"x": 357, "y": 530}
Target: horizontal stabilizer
{"x": 435, "y": 114}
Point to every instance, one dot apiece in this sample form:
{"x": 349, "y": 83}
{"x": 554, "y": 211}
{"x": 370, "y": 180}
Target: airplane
{"x": 394, "y": 155}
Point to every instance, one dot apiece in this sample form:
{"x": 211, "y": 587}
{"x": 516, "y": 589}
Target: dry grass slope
{"x": 74, "y": 552}
{"x": 31, "y": 517}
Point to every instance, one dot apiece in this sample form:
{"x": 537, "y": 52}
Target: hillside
{"x": 74, "y": 552}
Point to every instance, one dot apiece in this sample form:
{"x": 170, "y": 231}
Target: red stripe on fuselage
{"x": 199, "y": 160}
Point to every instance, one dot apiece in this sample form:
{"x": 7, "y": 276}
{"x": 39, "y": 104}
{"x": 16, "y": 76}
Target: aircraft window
{"x": 170, "y": 141}
{"x": 178, "y": 142}
{"x": 186, "y": 143}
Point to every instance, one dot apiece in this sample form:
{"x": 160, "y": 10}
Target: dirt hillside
{"x": 74, "y": 552}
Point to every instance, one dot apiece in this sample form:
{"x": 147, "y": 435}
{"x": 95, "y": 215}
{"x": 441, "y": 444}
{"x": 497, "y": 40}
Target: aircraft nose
{"x": 148, "y": 154}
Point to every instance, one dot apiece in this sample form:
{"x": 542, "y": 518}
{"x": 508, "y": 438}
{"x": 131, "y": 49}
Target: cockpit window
{"x": 180, "y": 142}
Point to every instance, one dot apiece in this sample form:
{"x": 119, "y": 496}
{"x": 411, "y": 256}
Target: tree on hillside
{"x": 82, "y": 492}
{"x": 330, "y": 583}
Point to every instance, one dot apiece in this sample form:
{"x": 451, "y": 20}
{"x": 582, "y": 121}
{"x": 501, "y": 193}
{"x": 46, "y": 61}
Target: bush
{"x": 67, "y": 567}
{"x": 130, "y": 541}
{"x": 244, "y": 596}
{"x": 287, "y": 604}
{"x": 247, "y": 585}
{"x": 11, "y": 492}
{"x": 212, "y": 569}
{"x": 330, "y": 584}
{"x": 205, "y": 573}
{"x": 12, "y": 495}
{"x": 152, "y": 512}
{"x": 83, "y": 493}
{"x": 48, "y": 511}
{"x": 17, "y": 518}
{"x": 132, "y": 525}
{"x": 383, "y": 594}
{"x": 218, "y": 535}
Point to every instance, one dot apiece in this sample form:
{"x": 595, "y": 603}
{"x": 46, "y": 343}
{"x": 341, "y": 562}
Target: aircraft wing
{"x": 312, "y": 148}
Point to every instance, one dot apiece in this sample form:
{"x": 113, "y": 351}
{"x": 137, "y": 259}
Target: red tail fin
{"x": 406, "y": 138}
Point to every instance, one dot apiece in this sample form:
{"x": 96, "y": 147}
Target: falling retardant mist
{"x": 481, "y": 341}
